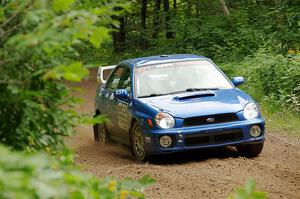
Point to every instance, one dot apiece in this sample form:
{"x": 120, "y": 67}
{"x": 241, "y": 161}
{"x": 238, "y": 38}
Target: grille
{"x": 202, "y": 120}
{"x": 213, "y": 137}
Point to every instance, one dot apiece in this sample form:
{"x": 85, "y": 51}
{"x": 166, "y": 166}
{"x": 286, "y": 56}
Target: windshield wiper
{"x": 177, "y": 92}
{"x": 200, "y": 89}
{"x": 192, "y": 90}
{"x": 152, "y": 95}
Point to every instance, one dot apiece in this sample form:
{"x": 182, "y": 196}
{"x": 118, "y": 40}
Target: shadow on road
{"x": 115, "y": 150}
{"x": 194, "y": 156}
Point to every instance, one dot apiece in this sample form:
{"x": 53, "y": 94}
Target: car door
{"x": 122, "y": 105}
{"x": 109, "y": 101}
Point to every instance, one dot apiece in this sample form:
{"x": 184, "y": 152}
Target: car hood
{"x": 200, "y": 103}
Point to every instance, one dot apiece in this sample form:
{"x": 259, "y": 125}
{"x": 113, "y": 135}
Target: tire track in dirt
{"x": 196, "y": 174}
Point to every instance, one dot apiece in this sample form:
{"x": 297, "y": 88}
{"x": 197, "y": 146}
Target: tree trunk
{"x": 143, "y": 24}
{"x": 144, "y": 14}
{"x": 174, "y": 16}
{"x": 119, "y": 37}
{"x": 156, "y": 19}
{"x": 224, "y": 7}
{"x": 175, "y": 9}
{"x": 175, "y": 5}
{"x": 169, "y": 33}
{"x": 198, "y": 8}
{"x": 189, "y": 8}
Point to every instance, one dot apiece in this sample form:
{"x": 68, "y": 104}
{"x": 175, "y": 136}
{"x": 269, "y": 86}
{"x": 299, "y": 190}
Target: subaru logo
{"x": 210, "y": 119}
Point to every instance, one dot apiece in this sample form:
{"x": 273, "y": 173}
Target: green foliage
{"x": 202, "y": 28}
{"x": 248, "y": 192}
{"x": 38, "y": 42}
{"x": 281, "y": 121}
{"x": 60, "y": 5}
{"x": 220, "y": 38}
{"x": 271, "y": 79}
{"x": 37, "y": 176}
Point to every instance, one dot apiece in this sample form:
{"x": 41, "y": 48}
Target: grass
{"x": 282, "y": 121}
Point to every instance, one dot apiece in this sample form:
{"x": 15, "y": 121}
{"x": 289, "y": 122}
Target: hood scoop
{"x": 194, "y": 96}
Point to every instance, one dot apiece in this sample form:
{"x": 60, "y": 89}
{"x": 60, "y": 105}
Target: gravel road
{"x": 197, "y": 174}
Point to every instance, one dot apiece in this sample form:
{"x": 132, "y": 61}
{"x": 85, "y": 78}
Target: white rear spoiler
{"x": 100, "y": 73}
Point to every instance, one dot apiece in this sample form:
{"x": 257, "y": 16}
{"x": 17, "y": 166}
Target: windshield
{"x": 176, "y": 77}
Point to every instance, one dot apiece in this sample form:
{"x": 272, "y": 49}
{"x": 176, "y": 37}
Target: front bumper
{"x": 208, "y": 136}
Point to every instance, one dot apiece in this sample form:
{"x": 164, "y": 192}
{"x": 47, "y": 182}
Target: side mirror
{"x": 238, "y": 81}
{"x": 121, "y": 94}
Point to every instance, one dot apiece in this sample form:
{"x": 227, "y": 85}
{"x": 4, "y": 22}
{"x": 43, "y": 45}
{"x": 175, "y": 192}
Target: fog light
{"x": 165, "y": 141}
{"x": 255, "y": 131}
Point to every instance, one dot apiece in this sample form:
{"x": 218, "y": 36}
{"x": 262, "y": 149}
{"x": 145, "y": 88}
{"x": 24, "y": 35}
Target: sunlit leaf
{"x": 99, "y": 35}
{"x": 62, "y": 5}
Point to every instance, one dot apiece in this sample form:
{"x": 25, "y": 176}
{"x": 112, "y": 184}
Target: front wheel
{"x": 137, "y": 143}
{"x": 250, "y": 150}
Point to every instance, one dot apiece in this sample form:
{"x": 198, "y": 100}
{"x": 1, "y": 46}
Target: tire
{"x": 100, "y": 133}
{"x": 138, "y": 143}
{"x": 250, "y": 150}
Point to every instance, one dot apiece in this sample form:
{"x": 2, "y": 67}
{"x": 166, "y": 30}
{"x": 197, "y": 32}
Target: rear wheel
{"x": 137, "y": 143}
{"x": 250, "y": 150}
{"x": 100, "y": 133}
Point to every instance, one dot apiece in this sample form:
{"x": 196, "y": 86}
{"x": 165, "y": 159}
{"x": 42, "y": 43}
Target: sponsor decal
{"x": 122, "y": 110}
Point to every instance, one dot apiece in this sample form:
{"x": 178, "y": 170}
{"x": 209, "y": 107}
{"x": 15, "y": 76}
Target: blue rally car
{"x": 170, "y": 103}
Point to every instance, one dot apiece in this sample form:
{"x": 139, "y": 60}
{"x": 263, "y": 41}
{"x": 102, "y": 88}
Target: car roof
{"x": 143, "y": 61}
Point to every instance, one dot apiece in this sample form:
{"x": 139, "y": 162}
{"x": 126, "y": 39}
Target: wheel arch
{"x": 132, "y": 122}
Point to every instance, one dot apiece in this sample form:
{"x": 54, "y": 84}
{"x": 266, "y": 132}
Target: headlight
{"x": 251, "y": 111}
{"x": 164, "y": 120}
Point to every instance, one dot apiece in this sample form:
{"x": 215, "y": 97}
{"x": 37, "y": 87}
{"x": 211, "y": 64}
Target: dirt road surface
{"x": 197, "y": 174}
